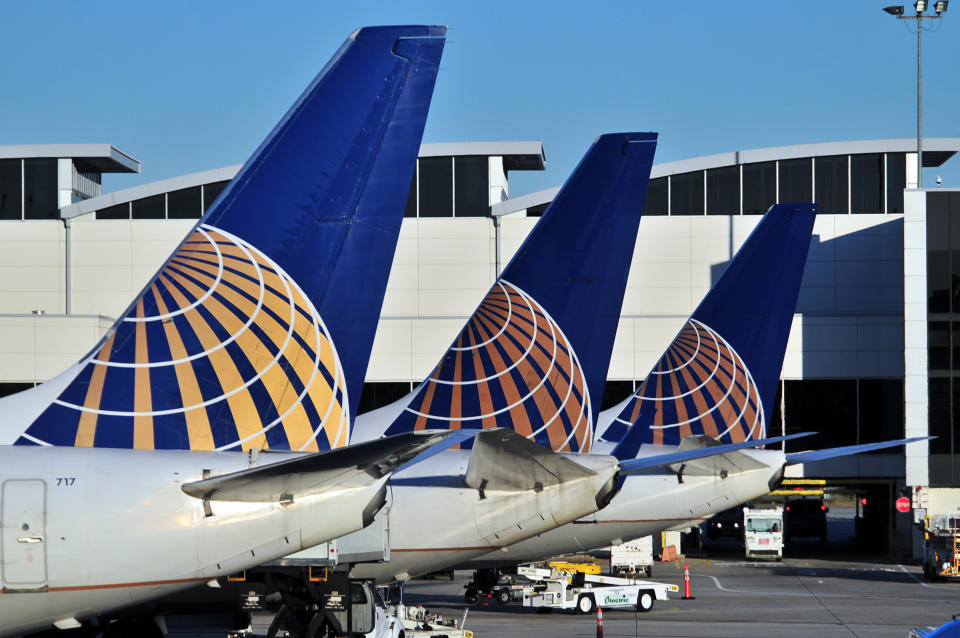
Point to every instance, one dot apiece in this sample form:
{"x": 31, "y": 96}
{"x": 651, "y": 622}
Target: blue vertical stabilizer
{"x": 257, "y": 331}
{"x": 719, "y": 375}
{"x": 534, "y": 356}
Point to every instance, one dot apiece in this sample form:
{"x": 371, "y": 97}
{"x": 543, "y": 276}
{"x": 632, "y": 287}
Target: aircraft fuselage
{"x": 86, "y": 530}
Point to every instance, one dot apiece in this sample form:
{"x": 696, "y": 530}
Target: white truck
{"x": 632, "y": 557}
{"x": 583, "y": 593}
{"x": 763, "y": 532}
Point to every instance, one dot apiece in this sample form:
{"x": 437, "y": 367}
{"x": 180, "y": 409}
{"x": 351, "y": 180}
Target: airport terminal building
{"x": 874, "y": 351}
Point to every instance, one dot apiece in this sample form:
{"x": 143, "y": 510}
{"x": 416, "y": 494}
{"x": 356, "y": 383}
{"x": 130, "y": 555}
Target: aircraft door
{"x": 23, "y": 550}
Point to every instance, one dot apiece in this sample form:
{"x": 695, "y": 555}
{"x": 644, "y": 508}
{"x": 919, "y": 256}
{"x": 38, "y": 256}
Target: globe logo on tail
{"x": 511, "y": 366}
{"x": 700, "y": 386}
{"x": 223, "y": 350}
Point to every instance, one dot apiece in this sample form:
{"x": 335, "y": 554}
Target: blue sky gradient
{"x": 192, "y": 86}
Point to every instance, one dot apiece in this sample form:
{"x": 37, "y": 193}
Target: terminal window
{"x": 866, "y": 183}
{"x": 471, "y": 186}
{"x": 723, "y": 190}
{"x": 796, "y": 180}
{"x": 759, "y": 187}
{"x": 40, "y": 189}
{"x": 831, "y": 184}
{"x": 686, "y": 194}
{"x": 656, "y": 202}
{"x": 185, "y": 203}
{"x": 436, "y": 187}
{"x": 11, "y": 198}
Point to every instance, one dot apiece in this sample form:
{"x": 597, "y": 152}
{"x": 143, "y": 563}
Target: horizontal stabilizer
{"x": 820, "y": 455}
{"x": 644, "y": 464}
{"x": 501, "y": 459}
{"x": 354, "y": 465}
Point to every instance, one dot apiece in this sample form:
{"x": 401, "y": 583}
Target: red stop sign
{"x": 903, "y": 504}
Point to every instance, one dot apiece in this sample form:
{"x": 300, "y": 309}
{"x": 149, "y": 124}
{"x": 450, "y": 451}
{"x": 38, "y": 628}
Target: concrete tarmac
{"x": 800, "y": 597}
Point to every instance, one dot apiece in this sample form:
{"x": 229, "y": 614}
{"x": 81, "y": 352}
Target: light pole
{"x": 939, "y": 7}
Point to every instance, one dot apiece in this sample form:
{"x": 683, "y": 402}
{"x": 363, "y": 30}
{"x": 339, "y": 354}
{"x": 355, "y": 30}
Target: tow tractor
{"x": 941, "y": 549}
{"x": 582, "y": 593}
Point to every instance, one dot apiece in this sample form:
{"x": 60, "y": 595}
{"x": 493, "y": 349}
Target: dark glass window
{"x": 10, "y": 190}
{"x": 436, "y": 187}
{"x": 881, "y": 410}
{"x": 775, "y": 418}
{"x": 153, "y": 207}
{"x": 211, "y": 192}
{"x": 686, "y": 194}
{"x": 6, "y": 389}
{"x": 40, "y": 187}
{"x": 614, "y": 392}
{"x": 938, "y": 345}
{"x": 825, "y": 406}
{"x": 120, "y": 211}
{"x": 896, "y": 181}
{"x": 939, "y": 283}
{"x": 795, "y": 180}
{"x": 538, "y": 210}
{"x": 411, "y": 209}
{"x": 656, "y": 202}
{"x": 759, "y": 187}
{"x": 831, "y": 191}
{"x": 866, "y": 183}
{"x": 471, "y": 186}
{"x": 184, "y": 204}
{"x": 723, "y": 191}
{"x": 377, "y": 395}
{"x": 939, "y": 415}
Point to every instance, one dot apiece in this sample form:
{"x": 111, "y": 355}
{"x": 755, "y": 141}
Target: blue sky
{"x": 192, "y": 86}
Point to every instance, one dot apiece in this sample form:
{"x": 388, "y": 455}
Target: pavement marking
{"x": 925, "y": 584}
{"x": 810, "y": 594}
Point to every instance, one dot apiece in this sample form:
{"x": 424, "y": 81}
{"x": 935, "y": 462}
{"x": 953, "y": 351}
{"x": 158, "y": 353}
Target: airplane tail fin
{"x": 534, "y": 355}
{"x": 719, "y": 375}
{"x": 256, "y": 332}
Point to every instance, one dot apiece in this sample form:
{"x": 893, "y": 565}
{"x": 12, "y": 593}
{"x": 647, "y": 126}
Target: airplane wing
{"x": 317, "y": 473}
{"x": 644, "y": 464}
{"x": 820, "y": 455}
{"x": 501, "y": 459}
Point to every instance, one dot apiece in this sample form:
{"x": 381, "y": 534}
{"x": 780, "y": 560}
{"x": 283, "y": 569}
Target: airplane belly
{"x": 433, "y": 528}
{"x": 647, "y": 504}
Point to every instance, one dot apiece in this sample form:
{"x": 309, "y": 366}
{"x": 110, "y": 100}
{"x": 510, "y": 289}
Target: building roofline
{"x": 103, "y": 158}
{"x": 516, "y": 155}
{"x": 940, "y": 149}
{"x": 524, "y": 202}
{"x": 937, "y": 150}
{"x": 147, "y": 190}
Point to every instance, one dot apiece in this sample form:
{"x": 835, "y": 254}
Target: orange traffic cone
{"x": 686, "y": 583}
{"x": 599, "y": 622}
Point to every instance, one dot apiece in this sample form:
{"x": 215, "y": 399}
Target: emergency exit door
{"x": 23, "y": 551}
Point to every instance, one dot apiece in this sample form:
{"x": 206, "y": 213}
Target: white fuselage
{"x": 436, "y": 521}
{"x": 85, "y": 531}
{"x": 646, "y": 504}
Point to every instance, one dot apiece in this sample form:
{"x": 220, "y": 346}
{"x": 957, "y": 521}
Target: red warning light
{"x": 863, "y": 501}
{"x": 788, "y": 508}
{"x": 823, "y": 508}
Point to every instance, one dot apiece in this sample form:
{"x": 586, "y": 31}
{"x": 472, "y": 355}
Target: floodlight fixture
{"x": 941, "y": 6}
{"x": 896, "y": 10}
{"x": 921, "y": 6}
